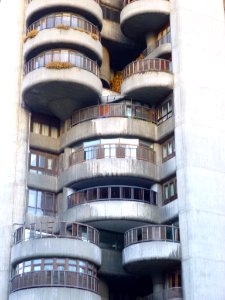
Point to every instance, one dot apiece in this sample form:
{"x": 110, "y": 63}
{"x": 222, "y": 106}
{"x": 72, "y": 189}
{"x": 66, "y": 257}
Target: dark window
{"x": 43, "y": 163}
{"x": 115, "y": 192}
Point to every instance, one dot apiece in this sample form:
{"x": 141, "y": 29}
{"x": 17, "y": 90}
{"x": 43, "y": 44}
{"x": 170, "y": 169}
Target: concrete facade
{"x": 141, "y": 161}
{"x": 200, "y": 144}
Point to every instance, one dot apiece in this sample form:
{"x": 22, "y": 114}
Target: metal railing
{"x": 54, "y": 279}
{"x": 163, "y": 40}
{"x": 112, "y": 193}
{"x": 147, "y": 65}
{"x": 114, "y": 110}
{"x": 61, "y": 56}
{"x": 151, "y": 233}
{"x": 56, "y": 230}
{"x": 112, "y": 151}
{"x": 66, "y": 19}
{"x": 167, "y": 294}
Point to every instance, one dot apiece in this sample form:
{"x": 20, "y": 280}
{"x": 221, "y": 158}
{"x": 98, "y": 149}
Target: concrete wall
{"x": 53, "y": 293}
{"x": 199, "y": 97}
{"x": 56, "y": 247}
{"x": 13, "y": 132}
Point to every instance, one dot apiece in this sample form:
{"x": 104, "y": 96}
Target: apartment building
{"x": 112, "y": 157}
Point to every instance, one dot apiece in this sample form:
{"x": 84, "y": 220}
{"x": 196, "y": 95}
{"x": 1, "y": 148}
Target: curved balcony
{"x": 65, "y": 29}
{"x": 161, "y": 48}
{"x": 40, "y": 279}
{"x": 105, "y": 161}
{"x": 167, "y": 294}
{"x": 90, "y": 9}
{"x": 99, "y": 121}
{"x": 140, "y": 17}
{"x": 46, "y": 239}
{"x": 60, "y": 77}
{"x": 148, "y": 80}
{"x": 150, "y": 247}
{"x": 103, "y": 205}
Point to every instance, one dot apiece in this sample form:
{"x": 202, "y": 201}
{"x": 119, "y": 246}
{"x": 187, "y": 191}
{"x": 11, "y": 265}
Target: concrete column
{"x": 103, "y": 290}
{"x": 157, "y": 282}
{"x": 13, "y": 132}
{"x": 105, "y": 68}
{"x": 198, "y": 35}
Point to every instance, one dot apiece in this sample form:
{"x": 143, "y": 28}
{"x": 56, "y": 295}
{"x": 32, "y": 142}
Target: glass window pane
{"x": 103, "y": 193}
{"x": 32, "y": 198}
{"x": 36, "y": 128}
{"x": 48, "y": 267}
{"x": 37, "y": 268}
{"x": 170, "y": 148}
{"x": 164, "y": 150}
{"x": 33, "y": 160}
{"x": 72, "y": 268}
{"x": 166, "y": 192}
{"x": 40, "y": 199}
{"x": 27, "y": 269}
{"x": 126, "y": 192}
{"x": 54, "y": 132}
{"x": 172, "y": 192}
{"x": 49, "y": 163}
{"x": 41, "y": 161}
{"x": 45, "y": 130}
{"x": 36, "y": 261}
{"x": 138, "y": 194}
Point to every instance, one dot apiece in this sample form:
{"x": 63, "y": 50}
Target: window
{"x": 168, "y": 149}
{"x": 173, "y": 279}
{"x": 169, "y": 190}
{"x": 43, "y": 163}
{"x": 41, "y": 203}
{"x": 45, "y": 125}
{"x": 165, "y": 111}
{"x": 56, "y": 264}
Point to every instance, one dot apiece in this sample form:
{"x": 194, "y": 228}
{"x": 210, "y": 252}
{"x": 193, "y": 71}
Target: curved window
{"x": 56, "y": 264}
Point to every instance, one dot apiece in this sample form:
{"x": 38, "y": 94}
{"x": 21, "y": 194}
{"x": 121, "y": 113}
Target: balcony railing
{"x": 151, "y": 233}
{"x": 167, "y": 294}
{"x": 163, "y": 40}
{"x": 112, "y": 193}
{"x": 114, "y": 110}
{"x": 147, "y": 65}
{"x": 57, "y": 230}
{"x": 73, "y": 58}
{"x": 54, "y": 279}
{"x": 112, "y": 151}
{"x": 68, "y": 20}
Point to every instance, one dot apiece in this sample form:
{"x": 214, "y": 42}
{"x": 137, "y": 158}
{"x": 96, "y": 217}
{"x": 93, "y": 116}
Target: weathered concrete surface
{"x": 148, "y": 86}
{"x": 199, "y": 99}
{"x": 53, "y": 293}
{"x": 143, "y": 16}
{"x": 42, "y": 182}
{"x": 112, "y": 263}
{"x": 89, "y": 8}
{"x": 72, "y": 38}
{"x": 148, "y": 257}
{"x": 14, "y": 132}
{"x": 56, "y": 247}
{"x": 160, "y": 50}
{"x": 74, "y": 87}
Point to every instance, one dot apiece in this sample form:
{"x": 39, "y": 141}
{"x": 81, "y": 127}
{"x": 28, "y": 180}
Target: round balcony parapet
{"x": 60, "y": 76}
{"x": 56, "y": 239}
{"x": 54, "y": 278}
{"x": 90, "y": 9}
{"x": 175, "y": 293}
{"x": 63, "y": 28}
{"x": 150, "y": 247}
{"x": 140, "y": 17}
{"x": 148, "y": 80}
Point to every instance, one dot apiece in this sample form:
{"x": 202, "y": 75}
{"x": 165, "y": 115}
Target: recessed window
{"x": 169, "y": 190}
{"x": 168, "y": 149}
{"x": 41, "y": 203}
{"x": 44, "y": 125}
{"x": 165, "y": 111}
{"x": 43, "y": 163}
